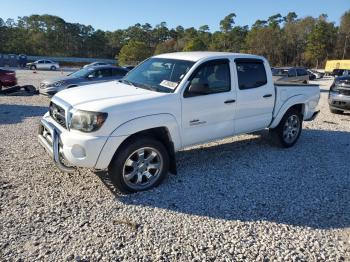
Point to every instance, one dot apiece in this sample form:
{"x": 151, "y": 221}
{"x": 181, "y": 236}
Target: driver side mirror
{"x": 198, "y": 89}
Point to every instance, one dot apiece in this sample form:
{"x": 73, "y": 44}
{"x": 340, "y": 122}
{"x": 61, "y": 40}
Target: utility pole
{"x": 344, "y": 51}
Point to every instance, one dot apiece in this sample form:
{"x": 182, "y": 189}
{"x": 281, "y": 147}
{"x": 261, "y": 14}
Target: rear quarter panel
{"x": 290, "y": 95}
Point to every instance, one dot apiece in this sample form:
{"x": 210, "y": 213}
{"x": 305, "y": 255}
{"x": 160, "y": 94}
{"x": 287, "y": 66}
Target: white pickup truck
{"x": 134, "y": 126}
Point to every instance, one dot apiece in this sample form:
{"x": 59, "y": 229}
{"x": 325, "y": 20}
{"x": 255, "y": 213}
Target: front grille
{"x": 58, "y": 114}
{"x": 344, "y": 92}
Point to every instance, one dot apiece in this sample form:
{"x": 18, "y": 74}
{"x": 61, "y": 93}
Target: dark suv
{"x": 339, "y": 95}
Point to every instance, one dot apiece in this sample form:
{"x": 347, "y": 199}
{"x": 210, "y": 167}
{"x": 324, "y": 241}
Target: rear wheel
{"x": 140, "y": 164}
{"x": 336, "y": 111}
{"x": 288, "y": 131}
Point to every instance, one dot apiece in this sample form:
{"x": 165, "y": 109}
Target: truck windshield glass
{"x": 159, "y": 74}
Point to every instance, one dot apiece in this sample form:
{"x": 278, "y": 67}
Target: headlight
{"x": 59, "y": 83}
{"x": 334, "y": 87}
{"x": 86, "y": 121}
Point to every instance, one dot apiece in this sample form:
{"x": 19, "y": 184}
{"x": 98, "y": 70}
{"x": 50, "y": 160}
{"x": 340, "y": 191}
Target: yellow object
{"x": 336, "y": 64}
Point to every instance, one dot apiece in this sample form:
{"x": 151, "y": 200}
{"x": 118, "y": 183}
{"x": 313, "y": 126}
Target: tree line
{"x": 284, "y": 40}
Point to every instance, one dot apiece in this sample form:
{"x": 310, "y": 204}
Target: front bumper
{"x": 339, "y": 101}
{"x": 71, "y": 147}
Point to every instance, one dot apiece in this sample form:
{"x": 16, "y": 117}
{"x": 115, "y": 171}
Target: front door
{"x": 208, "y": 115}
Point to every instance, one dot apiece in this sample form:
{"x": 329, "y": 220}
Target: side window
{"x": 292, "y": 72}
{"x": 301, "y": 72}
{"x": 211, "y": 77}
{"x": 101, "y": 73}
{"x": 118, "y": 72}
{"x": 251, "y": 74}
{"x": 41, "y": 62}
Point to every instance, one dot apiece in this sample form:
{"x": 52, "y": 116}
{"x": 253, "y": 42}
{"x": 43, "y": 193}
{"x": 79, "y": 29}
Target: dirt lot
{"x": 237, "y": 199}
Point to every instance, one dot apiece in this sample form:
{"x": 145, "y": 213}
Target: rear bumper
{"x": 8, "y": 81}
{"x": 314, "y": 115}
{"x": 338, "y": 101}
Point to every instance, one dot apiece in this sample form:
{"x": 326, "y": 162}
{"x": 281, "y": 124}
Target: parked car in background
{"x": 290, "y": 74}
{"x": 339, "y": 95}
{"x": 133, "y": 127}
{"x": 7, "y": 78}
{"x": 85, "y": 76}
{"x": 317, "y": 74}
{"x": 97, "y": 64}
{"x": 43, "y": 65}
{"x": 312, "y": 76}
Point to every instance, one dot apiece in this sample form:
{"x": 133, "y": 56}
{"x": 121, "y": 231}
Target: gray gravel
{"x": 237, "y": 199}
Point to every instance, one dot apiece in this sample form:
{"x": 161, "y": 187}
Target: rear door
{"x": 303, "y": 76}
{"x": 209, "y": 116}
{"x": 292, "y": 75}
{"x": 255, "y": 96}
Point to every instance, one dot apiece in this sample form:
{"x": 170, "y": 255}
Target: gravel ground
{"x": 236, "y": 199}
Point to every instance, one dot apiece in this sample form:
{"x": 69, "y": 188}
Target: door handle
{"x": 268, "y": 95}
{"x": 230, "y": 101}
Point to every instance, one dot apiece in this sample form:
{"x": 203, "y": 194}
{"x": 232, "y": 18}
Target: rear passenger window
{"x": 301, "y": 72}
{"x": 292, "y": 73}
{"x": 251, "y": 74}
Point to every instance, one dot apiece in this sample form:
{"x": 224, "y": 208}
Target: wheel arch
{"x": 297, "y": 102}
{"x": 162, "y": 127}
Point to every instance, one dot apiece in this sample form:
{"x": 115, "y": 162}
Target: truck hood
{"x": 107, "y": 93}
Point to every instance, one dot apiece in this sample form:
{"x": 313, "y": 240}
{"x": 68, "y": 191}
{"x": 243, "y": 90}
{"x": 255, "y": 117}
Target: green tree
{"x": 195, "y": 44}
{"x": 320, "y": 40}
{"x": 134, "y": 52}
{"x": 227, "y": 23}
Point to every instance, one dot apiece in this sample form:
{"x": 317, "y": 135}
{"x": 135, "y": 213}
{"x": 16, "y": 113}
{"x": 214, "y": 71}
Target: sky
{"x": 115, "y": 14}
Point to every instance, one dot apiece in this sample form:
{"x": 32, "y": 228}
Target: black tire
{"x": 278, "y": 133}
{"x": 53, "y": 68}
{"x": 118, "y": 165}
{"x": 336, "y": 111}
{"x": 33, "y": 67}
{"x": 0, "y": 86}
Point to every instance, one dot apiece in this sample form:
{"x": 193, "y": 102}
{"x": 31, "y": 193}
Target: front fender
{"x": 294, "y": 100}
{"x": 133, "y": 126}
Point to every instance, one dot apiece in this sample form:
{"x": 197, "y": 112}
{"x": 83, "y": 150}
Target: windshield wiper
{"x": 126, "y": 82}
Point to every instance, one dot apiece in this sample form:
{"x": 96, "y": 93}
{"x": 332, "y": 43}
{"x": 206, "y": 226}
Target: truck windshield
{"x": 158, "y": 74}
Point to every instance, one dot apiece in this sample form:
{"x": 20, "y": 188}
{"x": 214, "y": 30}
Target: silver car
{"x": 85, "y": 76}
{"x": 43, "y": 65}
{"x": 290, "y": 74}
{"x": 339, "y": 95}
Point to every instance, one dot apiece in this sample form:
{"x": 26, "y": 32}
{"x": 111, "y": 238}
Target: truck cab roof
{"x": 199, "y": 55}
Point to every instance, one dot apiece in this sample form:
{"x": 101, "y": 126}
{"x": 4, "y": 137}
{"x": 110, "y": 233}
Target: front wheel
{"x": 139, "y": 165}
{"x": 53, "y": 68}
{"x": 33, "y": 67}
{"x": 288, "y": 131}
